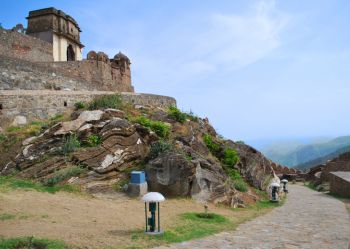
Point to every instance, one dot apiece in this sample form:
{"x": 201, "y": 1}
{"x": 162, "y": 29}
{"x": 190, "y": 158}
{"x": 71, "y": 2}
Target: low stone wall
{"x": 36, "y": 105}
{"x": 340, "y": 183}
{"x": 340, "y": 163}
{"x": 24, "y": 47}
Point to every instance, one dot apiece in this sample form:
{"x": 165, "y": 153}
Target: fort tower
{"x": 59, "y": 29}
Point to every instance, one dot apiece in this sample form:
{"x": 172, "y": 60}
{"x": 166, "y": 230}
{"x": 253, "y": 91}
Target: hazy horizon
{"x": 259, "y": 70}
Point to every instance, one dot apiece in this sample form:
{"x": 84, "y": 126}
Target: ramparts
{"x": 36, "y": 105}
{"x": 16, "y": 45}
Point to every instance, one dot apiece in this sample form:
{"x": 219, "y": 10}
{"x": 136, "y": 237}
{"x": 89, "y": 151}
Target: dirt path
{"x": 308, "y": 220}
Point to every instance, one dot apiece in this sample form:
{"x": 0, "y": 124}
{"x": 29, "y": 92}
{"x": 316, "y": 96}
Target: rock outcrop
{"x": 185, "y": 168}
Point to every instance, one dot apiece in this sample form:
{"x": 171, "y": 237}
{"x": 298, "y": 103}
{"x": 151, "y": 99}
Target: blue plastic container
{"x": 138, "y": 177}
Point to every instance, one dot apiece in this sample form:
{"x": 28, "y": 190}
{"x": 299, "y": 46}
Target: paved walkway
{"x": 307, "y": 220}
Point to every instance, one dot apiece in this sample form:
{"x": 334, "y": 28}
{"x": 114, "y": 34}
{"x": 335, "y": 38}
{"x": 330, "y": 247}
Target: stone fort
{"x": 42, "y": 70}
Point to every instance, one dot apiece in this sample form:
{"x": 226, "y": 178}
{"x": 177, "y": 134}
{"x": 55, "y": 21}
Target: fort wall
{"x": 90, "y": 75}
{"x": 36, "y": 105}
{"x": 17, "y": 45}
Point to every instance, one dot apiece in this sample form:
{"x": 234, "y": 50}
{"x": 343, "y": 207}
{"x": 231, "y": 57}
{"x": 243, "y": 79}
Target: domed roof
{"x": 121, "y": 56}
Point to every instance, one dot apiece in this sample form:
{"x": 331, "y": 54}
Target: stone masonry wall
{"x": 36, "y": 105}
{"x": 24, "y": 47}
{"x": 75, "y": 75}
{"x": 97, "y": 73}
{"x": 339, "y": 186}
{"x": 340, "y": 163}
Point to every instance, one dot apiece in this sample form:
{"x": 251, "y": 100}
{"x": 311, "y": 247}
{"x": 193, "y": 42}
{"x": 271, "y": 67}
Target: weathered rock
{"x": 170, "y": 174}
{"x": 173, "y": 175}
{"x": 74, "y": 125}
{"x": 253, "y": 166}
{"x": 19, "y": 120}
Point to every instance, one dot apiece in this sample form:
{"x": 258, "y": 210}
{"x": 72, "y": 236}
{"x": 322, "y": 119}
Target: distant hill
{"x": 323, "y": 159}
{"x": 305, "y": 154}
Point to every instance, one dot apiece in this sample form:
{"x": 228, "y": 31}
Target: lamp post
{"x": 274, "y": 191}
{"x": 152, "y": 199}
{"x": 285, "y": 181}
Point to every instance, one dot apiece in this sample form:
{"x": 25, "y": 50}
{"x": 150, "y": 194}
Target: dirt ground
{"x": 85, "y": 221}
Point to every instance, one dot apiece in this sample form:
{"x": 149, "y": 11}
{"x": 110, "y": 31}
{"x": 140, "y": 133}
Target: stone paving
{"x": 307, "y": 220}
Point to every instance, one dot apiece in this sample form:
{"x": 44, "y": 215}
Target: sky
{"x": 259, "y": 70}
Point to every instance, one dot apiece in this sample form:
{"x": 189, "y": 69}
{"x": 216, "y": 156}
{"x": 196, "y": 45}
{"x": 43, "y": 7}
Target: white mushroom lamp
{"x": 274, "y": 191}
{"x": 152, "y": 198}
{"x": 285, "y": 181}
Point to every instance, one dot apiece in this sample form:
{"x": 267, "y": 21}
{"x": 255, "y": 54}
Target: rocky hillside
{"x": 100, "y": 143}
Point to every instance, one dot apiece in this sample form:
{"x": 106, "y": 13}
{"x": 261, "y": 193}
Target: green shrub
{"x": 240, "y": 142}
{"x": 143, "y": 121}
{"x": 176, "y": 114}
{"x": 80, "y": 105}
{"x": 160, "y": 128}
{"x": 70, "y": 144}
{"x": 2, "y": 137}
{"x": 212, "y": 146}
{"x": 232, "y": 173}
{"x": 159, "y": 148}
{"x": 191, "y": 116}
{"x": 94, "y": 140}
{"x": 230, "y": 157}
{"x": 240, "y": 185}
{"x": 106, "y": 101}
{"x": 64, "y": 174}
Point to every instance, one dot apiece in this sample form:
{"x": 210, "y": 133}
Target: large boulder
{"x": 174, "y": 175}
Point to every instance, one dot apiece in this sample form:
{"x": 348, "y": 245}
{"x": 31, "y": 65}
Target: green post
{"x": 146, "y": 216}
{"x": 158, "y": 219}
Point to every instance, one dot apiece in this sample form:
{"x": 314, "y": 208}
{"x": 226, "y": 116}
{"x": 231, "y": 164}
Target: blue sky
{"x": 257, "y": 69}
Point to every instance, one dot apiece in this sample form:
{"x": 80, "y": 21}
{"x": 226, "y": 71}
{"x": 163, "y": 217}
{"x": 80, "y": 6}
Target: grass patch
{"x": 70, "y": 144}
{"x": 106, "y": 101}
{"x": 80, "y": 105}
{"x": 7, "y": 182}
{"x": 64, "y": 174}
{"x": 310, "y": 185}
{"x": 32, "y": 243}
{"x": 7, "y": 217}
{"x": 192, "y": 227}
